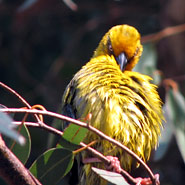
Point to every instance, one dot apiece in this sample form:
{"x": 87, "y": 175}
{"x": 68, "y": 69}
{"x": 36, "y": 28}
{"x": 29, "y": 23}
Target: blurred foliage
{"x": 175, "y": 115}
{"x": 148, "y": 65}
{"x": 7, "y": 128}
{"x": 22, "y": 152}
{"x": 43, "y": 43}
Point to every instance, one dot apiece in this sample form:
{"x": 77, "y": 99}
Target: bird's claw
{"x": 147, "y": 181}
{"x": 114, "y": 164}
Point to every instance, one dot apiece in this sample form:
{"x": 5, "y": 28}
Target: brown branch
{"x": 85, "y": 125}
{"x": 20, "y": 98}
{"x": 12, "y": 170}
{"x": 155, "y": 37}
{"x": 178, "y": 78}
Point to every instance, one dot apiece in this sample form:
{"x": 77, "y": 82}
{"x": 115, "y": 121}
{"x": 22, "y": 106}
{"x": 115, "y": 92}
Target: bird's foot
{"x": 114, "y": 164}
{"x": 147, "y": 181}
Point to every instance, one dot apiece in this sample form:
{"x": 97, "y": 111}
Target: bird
{"x": 123, "y": 104}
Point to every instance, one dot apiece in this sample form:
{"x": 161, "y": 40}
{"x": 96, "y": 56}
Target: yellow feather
{"x": 124, "y": 104}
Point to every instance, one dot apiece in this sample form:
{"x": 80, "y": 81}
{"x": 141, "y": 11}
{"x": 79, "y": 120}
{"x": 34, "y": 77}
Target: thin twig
{"x": 85, "y": 125}
{"x": 16, "y": 94}
{"x": 178, "y": 78}
{"x": 163, "y": 33}
{"x": 20, "y": 98}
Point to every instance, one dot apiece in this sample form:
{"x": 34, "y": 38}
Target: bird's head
{"x": 123, "y": 43}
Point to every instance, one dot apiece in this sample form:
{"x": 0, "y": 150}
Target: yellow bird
{"x": 124, "y": 104}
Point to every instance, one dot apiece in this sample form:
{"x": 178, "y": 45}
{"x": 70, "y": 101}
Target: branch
{"x": 155, "y": 37}
{"x": 178, "y": 78}
{"x": 85, "y": 125}
{"x": 12, "y": 170}
{"x": 20, "y": 98}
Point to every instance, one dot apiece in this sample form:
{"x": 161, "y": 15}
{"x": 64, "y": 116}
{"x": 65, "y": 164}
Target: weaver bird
{"x": 124, "y": 104}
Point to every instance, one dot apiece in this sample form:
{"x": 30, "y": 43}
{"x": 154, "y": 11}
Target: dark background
{"x": 44, "y": 44}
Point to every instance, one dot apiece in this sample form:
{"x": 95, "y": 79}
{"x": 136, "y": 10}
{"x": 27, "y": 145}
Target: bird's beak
{"x": 122, "y": 61}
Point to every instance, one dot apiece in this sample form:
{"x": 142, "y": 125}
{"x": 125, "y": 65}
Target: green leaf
{"x": 148, "y": 61}
{"x": 22, "y": 152}
{"x": 72, "y": 137}
{"x": 180, "y": 138}
{"x": 179, "y": 121}
{"x": 179, "y": 106}
{"x": 74, "y": 134}
{"x": 175, "y": 107}
{"x": 52, "y": 165}
{"x": 165, "y": 138}
{"x": 6, "y": 128}
{"x": 112, "y": 177}
{"x": 67, "y": 145}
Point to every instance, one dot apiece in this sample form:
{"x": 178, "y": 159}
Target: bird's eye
{"x": 109, "y": 46}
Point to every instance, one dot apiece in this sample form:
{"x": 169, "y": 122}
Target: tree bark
{"x": 12, "y": 170}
